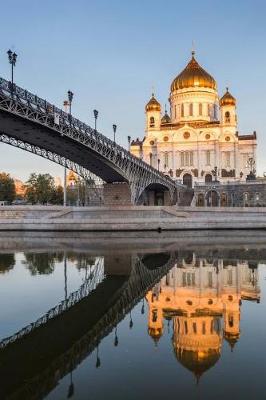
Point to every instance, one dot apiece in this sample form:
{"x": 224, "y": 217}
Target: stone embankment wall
{"x": 129, "y": 218}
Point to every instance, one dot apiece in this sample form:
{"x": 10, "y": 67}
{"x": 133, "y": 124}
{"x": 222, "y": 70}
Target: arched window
{"x": 175, "y": 111}
{"x": 166, "y": 160}
{"x": 200, "y": 108}
{"x": 227, "y": 116}
{"x": 208, "y": 157}
{"x": 210, "y": 110}
{"x": 191, "y": 109}
{"x": 200, "y": 200}
{"x": 215, "y": 109}
{"x": 231, "y": 321}
{"x": 152, "y": 122}
{"x": 182, "y": 160}
{"x": 182, "y": 110}
{"x": 150, "y": 159}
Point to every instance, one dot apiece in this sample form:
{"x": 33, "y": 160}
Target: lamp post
{"x": 159, "y": 164}
{"x": 70, "y": 99}
{"x": 129, "y": 140}
{"x": 12, "y": 57}
{"x": 114, "y": 129}
{"x": 215, "y": 174}
{"x": 95, "y": 113}
{"x": 116, "y": 337}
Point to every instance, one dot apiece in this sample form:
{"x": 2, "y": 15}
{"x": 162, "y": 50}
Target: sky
{"x": 111, "y": 53}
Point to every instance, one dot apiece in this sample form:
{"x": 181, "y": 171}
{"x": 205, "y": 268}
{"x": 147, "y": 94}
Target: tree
{"x": 7, "y": 188}
{"x": 58, "y": 195}
{"x": 7, "y": 262}
{"x": 40, "y": 263}
{"x": 40, "y": 188}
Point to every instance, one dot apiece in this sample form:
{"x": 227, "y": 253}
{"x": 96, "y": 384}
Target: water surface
{"x": 133, "y": 318}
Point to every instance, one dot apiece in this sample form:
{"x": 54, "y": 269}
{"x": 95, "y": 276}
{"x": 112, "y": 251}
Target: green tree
{"x": 7, "y": 262}
{"x": 7, "y": 188}
{"x": 58, "y": 195}
{"x": 42, "y": 263}
{"x": 40, "y": 188}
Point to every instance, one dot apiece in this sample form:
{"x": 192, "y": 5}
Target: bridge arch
{"x": 157, "y": 195}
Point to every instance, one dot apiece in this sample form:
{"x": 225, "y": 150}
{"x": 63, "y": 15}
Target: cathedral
{"x": 199, "y": 141}
{"x": 201, "y": 301}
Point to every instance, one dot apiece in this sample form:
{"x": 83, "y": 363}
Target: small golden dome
{"x": 193, "y": 76}
{"x": 227, "y": 99}
{"x": 153, "y": 104}
{"x": 165, "y": 119}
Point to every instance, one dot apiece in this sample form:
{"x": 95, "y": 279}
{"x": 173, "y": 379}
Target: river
{"x": 161, "y": 316}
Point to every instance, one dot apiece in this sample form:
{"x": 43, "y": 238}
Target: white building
{"x": 199, "y": 140}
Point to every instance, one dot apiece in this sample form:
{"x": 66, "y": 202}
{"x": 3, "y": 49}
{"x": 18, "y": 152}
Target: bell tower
{"x": 153, "y": 115}
{"x": 228, "y": 109}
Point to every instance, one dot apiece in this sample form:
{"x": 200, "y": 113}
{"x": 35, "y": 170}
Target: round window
{"x": 151, "y": 142}
{"x": 227, "y": 138}
{"x": 186, "y": 135}
{"x": 166, "y": 138}
{"x": 207, "y": 136}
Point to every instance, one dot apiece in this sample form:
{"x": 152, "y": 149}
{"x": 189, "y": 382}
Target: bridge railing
{"x": 61, "y": 118}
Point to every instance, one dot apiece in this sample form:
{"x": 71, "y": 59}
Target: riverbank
{"x": 129, "y": 218}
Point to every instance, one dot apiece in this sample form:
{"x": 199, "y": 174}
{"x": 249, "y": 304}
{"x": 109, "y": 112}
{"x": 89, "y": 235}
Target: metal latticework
{"x": 23, "y": 104}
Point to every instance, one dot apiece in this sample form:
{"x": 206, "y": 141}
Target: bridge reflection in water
{"x": 34, "y": 359}
{"x": 197, "y": 294}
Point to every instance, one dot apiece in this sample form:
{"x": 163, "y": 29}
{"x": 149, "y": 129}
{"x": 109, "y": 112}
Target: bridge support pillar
{"x": 120, "y": 264}
{"x": 117, "y": 194}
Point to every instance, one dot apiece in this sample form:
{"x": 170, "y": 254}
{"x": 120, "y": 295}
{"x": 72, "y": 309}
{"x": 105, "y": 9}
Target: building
{"x": 201, "y": 299}
{"x": 20, "y": 187}
{"x": 199, "y": 141}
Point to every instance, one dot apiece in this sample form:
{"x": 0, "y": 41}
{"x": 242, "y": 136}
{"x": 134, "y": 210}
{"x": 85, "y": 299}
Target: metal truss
{"x": 136, "y": 172}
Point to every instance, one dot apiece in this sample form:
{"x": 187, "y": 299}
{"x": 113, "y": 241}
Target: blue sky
{"x": 111, "y": 54}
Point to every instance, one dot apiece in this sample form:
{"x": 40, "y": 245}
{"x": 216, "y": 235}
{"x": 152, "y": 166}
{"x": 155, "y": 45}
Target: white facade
{"x": 200, "y": 135}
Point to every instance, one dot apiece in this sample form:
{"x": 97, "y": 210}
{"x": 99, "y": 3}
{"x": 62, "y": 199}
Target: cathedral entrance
{"x": 187, "y": 180}
{"x": 208, "y": 178}
{"x": 212, "y": 198}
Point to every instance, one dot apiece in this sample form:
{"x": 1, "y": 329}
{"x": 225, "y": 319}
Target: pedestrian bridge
{"x": 35, "y": 125}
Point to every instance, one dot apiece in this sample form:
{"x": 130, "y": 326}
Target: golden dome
{"x": 153, "y": 104}
{"x": 196, "y": 361}
{"x": 193, "y": 76}
{"x": 227, "y": 99}
{"x": 165, "y": 119}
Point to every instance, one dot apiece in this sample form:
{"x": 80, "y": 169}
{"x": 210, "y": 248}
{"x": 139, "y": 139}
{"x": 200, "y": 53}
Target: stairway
{"x": 186, "y": 197}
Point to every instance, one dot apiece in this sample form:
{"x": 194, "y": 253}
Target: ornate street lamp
{"x": 129, "y": 140}
{"x": 12, "y": 57}
{"x": 71, "y": 387}
{"x": 98, "y": 361}
{"x": 130, "y": 321}
{"x": 95, "y": 113}
{"x": 70, "y": 99}
{"x": 215, "y": 174}
{"x": 142, "y": 307}
{"x": 114, "y": 129}
{"x": 116, "y": 338}
{"x": 159, "y": 164}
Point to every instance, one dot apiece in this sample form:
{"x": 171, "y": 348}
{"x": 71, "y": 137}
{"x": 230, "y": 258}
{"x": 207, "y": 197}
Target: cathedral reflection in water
{"x": 203, "y": 300}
